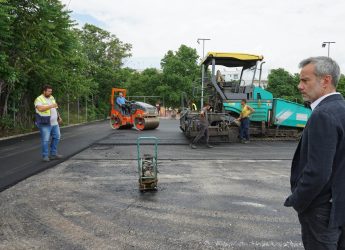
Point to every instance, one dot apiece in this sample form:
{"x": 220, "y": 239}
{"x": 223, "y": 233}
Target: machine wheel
{"x": 139, "y": 123}
{"x": 115, "y": 122}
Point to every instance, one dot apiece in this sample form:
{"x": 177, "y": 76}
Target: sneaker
{"x": 56, "y": 157}
{"x": 45, "y": 159}
{"x": 209, "y": 146}
{"x": 246, "y": 142}
{"x": 193, "y": 146}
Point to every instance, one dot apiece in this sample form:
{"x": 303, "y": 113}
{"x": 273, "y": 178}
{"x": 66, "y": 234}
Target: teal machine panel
{"x": 274, "y": 111}
{"x": 261, "y": 94}
{"x": 290, "y": 114}
{"x": 278, "y": 112}
{"x": 261, "y": 107}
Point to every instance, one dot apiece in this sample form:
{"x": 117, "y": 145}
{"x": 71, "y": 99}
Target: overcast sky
{"x": 284, "y": 32}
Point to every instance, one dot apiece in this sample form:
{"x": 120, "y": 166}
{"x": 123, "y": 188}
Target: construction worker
{"x": 47, "y": 120}
{"x": 194, "y": 108}
{"x": 244, "y": 119}
{"x": 158, "y": 107}
{"x": 203, "y": 127}
{"x": 191, "y": 105}
{"x": 220, "y": 79}
{"x": 122, "y": 102}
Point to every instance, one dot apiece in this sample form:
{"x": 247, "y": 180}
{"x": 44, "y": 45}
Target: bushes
{"x": 6, "y": 123}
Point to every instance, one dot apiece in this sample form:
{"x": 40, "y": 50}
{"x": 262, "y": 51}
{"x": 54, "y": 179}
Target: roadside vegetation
{"x": 283, "y": 85}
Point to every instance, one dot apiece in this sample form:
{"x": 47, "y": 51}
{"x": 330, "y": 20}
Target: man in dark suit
{"x": 318, "y": 166}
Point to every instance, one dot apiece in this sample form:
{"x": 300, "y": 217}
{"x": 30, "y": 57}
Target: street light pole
{"x": 329, "y": 45}
{"x": 202, "y": 68}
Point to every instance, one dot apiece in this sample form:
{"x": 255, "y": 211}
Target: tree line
{"x": 283, "y": 85}
{"x": 41, "y": 44}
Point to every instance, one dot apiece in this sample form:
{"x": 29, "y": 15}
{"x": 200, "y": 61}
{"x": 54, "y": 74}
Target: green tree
{"x": 284, "y": 85}
{"x": 39, "y": 45}
{"x": 105, "y": 53}
{"x": 7, "y": 73}
{"x": 341, "y": 85}
{"x": 34, "y": 44}
{"x": 180, "y": 72}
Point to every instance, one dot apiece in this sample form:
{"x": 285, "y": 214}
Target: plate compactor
{"x": 142, "y": 116}
{"x": 147, "y": 165}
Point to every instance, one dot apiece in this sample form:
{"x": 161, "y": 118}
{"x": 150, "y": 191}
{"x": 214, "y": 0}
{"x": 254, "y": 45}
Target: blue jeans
{"x": 48, "y": 131}
{"x": 316, "y": 233}
{"x": 244, "y": 129}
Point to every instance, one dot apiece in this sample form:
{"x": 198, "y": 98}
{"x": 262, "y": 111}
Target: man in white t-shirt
{"x": 47, "y": 120}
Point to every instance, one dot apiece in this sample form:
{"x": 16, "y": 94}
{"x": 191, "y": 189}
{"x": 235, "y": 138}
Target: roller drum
{"x": 146, "y": 123}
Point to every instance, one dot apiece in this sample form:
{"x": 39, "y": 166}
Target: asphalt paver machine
{"x": 273, "y": 117}
{"x": 147, "y": 164}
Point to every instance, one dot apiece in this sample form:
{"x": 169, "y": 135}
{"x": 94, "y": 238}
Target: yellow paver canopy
{"x": 232, "y": 59}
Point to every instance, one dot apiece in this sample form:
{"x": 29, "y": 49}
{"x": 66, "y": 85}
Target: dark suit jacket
{"x": 318, "y": 166}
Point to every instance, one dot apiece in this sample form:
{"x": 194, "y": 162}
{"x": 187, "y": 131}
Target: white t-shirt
{"x": 53, "y": 112}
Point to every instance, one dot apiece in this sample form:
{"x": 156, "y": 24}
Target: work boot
{"x": 209, "y": 146}
{"x": 193, "y": 146}
{"x": 56, "y": 157}
{"x": 45, "y": 159}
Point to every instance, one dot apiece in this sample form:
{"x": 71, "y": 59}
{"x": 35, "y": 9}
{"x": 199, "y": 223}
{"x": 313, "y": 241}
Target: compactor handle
{"x": 147, "y": 138}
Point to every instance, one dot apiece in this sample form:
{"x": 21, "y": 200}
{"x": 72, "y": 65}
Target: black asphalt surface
{"x": 20, "y": 157}
{"x": 227, "y": 197}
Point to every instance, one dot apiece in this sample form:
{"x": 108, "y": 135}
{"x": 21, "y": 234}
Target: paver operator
{"x": 203, "y": 127}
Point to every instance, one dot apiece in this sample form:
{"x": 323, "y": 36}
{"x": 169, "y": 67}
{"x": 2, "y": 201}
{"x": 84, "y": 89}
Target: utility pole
{"x": 202, "y": 69}
{"x": 329, "y": 45}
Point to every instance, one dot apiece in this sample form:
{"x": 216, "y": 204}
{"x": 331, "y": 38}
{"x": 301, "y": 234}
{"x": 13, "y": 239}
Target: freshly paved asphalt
{"x": 227, "y": 197}
{"x": 20, "y": 157}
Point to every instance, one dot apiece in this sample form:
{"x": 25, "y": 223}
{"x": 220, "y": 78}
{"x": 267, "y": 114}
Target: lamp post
{"x": 202, "y": 68}
{"x": 324, "y": 44}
